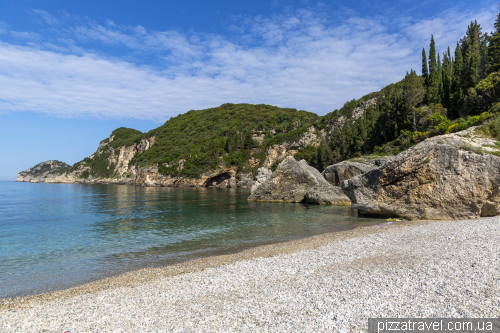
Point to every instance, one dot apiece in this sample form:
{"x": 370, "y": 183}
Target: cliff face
{"x": 117, "y": 161}
{"x": 114, "y": 160}
{"x": 41, "y": 171}
{"x": 277, "y": 153}
{"x": 357, "y": 113}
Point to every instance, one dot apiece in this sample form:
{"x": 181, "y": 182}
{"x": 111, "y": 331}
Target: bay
{"x": 56, "y": 236}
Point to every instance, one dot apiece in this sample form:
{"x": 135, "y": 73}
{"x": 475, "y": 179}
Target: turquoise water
{"x": 55, "y": 236}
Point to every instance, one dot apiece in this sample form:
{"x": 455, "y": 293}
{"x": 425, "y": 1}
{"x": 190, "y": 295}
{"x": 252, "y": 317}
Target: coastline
{"x": 143, "y": 275}
{"x": 400, "y": 269}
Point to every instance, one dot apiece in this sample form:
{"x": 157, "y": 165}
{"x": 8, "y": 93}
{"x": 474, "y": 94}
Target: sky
{"x": 73, "y": 71}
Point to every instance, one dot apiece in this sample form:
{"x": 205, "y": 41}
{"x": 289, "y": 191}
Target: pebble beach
{"x": 330, "y": 282}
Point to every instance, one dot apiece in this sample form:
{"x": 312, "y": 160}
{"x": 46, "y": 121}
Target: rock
{"x": 231, "y": 183}
{"x": 34, "y": 181}
{"x": 277, "y": 152}
{"x": 261, "y": 177}
{"x": 245, "y": 182}
{"x": 295, "y": 182}
{"x": 436, "y": 179}
{"x": 382, "y": 161}
{"x": 327, "y": 195}
{"x": 337, "y": 173}
{"x": 224, "y": 184}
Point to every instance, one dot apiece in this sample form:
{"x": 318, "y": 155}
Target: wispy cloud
{"x": 24, "y": 34}
{"x": 449, "y": 26}
{"x": 45, "y": 17}
{"x": 295, "y": 59}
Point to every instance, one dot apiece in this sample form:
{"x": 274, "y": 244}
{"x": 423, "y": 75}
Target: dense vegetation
{"x": 452, "y": 94}
{"x": 51, "y": 167}
{"x": 202, "y": 140}
{"x": 124, "y": 137}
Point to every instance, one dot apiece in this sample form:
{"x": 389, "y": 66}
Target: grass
{"x": 472, "y": 149}
{"x": 360, "y": 161}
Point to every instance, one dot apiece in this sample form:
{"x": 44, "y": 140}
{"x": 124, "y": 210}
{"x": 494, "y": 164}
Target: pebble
{"x": 397, "y": 270}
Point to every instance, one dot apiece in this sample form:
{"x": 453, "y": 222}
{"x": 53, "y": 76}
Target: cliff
{"x": 41, "y": 171}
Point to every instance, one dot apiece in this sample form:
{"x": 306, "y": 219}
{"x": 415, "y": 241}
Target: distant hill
{"x": 43, "y": 170}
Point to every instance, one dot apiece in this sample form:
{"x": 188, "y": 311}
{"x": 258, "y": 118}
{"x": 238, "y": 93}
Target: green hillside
{"x": 201, "y": 139}
{"x": 52, "y": 168}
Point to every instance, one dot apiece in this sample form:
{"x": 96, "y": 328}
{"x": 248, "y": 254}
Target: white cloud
{"x": 45, "y": 17}
{"x": 449, "y": 27}
{"x": 24, "y": 34}
{"x": 293, "y": 60}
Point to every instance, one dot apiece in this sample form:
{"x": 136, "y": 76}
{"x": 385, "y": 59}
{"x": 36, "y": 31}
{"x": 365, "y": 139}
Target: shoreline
{"x": 329, "y": 282}
{"x": 142, "y": 275}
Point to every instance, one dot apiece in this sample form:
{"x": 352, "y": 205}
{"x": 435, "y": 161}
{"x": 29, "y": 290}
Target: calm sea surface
{"x": 55, "y": 236}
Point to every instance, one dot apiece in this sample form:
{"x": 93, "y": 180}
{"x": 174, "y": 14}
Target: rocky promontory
{"x": 41, "y": 171}
{"x": 450, "y": 176}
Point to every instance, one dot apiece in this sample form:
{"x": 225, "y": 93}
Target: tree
{"x": 493, "y": 57}
{"x": 434, "y": 83}
{"x": 425, "y": 70}
{"x": 475, "y": 57}
{"x": 447, "y": 72}
{"x": 432, "y": 57}
{"x": 413, "y": 93}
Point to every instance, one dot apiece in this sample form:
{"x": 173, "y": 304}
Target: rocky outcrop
{"x": 276, "y": 153}
{"x": 337, "y": 173}
{"x": 126, "y": 154}
{"x": 327, "y": 195}
{"x": 444, "y": 177}
{"x": 357, "y": 113}
{"x": 41, "y": 171}
{"x": 244, "y": 181}
{"x": 263, "y": 175}
{"x": 296, "y": 182}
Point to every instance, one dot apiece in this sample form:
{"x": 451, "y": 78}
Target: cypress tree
{"x": 456, "y": 96}
{"x": 475, "y": 57}
{"x": 446, "y": 78}
{"x": 434, "y": 90}
{"x": 432, "y": 57}
{"x": 493, "y": 55}
{"x": 439, "y": 79}
{"x": 457, "y": 70}
{"x": 425, "y": 70}
{"x": 413, "y": 94}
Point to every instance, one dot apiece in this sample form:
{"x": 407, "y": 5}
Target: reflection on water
{"x": 55, "y": 236}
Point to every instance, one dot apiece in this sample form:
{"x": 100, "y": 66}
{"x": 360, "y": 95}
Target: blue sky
{"x": 72, "y": 71}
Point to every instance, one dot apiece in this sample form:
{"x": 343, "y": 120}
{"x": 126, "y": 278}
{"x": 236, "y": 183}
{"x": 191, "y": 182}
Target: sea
{"x": 56, "y": 236}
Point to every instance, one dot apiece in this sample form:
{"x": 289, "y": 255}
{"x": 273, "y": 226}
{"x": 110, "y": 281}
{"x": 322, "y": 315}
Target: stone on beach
{"x": 295, "y": 181}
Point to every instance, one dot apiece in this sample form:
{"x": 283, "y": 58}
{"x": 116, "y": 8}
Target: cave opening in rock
{"x": 217, "y": 180}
